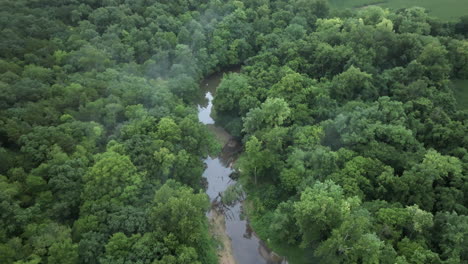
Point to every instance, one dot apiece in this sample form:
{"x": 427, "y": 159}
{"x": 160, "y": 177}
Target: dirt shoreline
{"x": 218, "y": 231}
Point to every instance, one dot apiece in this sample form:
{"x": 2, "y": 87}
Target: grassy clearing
{"x": 444, "y": 9}
{"x": 460, "y": 88}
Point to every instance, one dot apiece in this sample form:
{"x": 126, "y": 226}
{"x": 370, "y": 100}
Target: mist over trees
{"x": 101, "y": 147}
{"x": 355, "y": 147}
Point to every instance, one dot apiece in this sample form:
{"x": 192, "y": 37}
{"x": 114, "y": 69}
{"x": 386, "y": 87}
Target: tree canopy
{"x": 355, "y": 146}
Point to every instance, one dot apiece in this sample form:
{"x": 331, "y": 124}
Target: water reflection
{"x": 217, "y": 176}
{"x": 204, "y": 111}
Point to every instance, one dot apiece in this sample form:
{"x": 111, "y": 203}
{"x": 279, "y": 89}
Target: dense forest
{"x": 356, "y": 150}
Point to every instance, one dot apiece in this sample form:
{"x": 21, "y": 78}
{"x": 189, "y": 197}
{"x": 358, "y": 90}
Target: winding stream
{"x": 246, "y": 248}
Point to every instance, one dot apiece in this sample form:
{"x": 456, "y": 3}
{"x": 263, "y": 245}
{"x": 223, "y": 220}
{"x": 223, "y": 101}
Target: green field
{"x": 461, "y": 93}
{"x": 444, "y": 9}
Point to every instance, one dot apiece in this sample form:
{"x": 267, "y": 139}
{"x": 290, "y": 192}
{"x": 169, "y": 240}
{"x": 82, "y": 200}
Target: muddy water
{"x": 246, "y": 248}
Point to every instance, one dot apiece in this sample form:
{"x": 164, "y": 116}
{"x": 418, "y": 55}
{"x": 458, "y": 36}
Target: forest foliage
{"x": 101, "y": 149}
{"x": 355, "y": 145}
{"x": 355, "y": 148}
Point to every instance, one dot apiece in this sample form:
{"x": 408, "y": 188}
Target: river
{"x": 245, "y": 246}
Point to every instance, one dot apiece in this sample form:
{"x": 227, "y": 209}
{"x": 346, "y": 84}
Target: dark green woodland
{"x": 355, "y": 143}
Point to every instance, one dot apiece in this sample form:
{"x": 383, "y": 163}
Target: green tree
{"x": 178, "y": 214}
{"x": 353, "y": 84}
{"x": 321, "y": 209}
{"x": 272, "y": 113}
{"x": 436, "y": 183}
{"x": 351, "y": 242}
{"x": 450, "y": 234}
{"x": 63, "y": 252}
{"x": 434, "y": 59}
{"x": 234, "y": 95}
{"x": 253, "y": 162}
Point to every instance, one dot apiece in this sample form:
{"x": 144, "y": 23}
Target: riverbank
{"x": 218, "y": 231}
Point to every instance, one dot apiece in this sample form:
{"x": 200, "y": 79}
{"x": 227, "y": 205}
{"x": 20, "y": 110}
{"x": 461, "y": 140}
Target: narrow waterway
{"x": 246, "y": 248}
